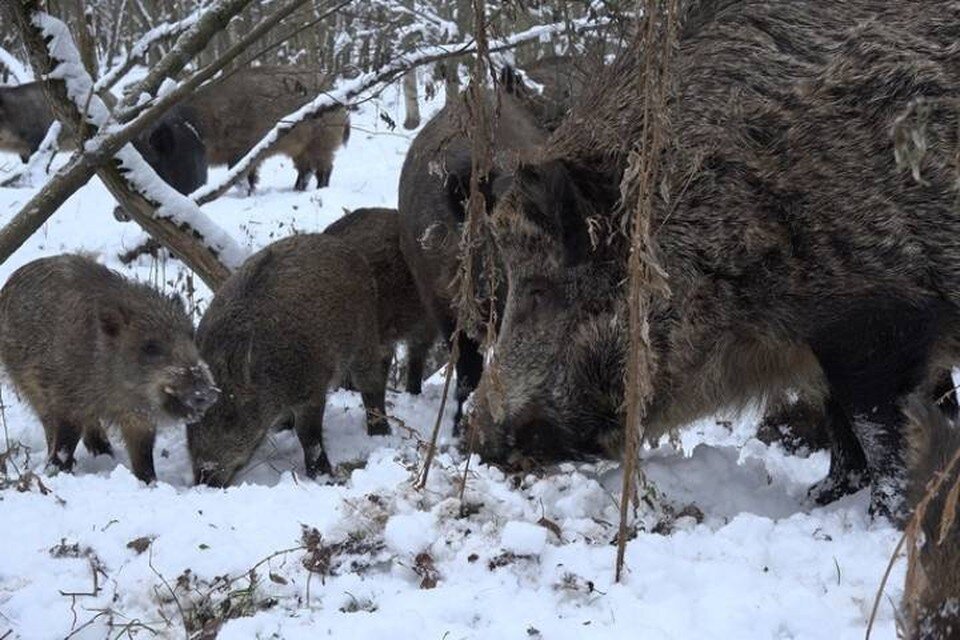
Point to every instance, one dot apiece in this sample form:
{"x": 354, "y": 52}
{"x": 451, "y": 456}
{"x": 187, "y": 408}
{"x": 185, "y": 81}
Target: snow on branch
{"x": 17, "y": 69}
{"x": 372, "y": 83}
{"x": 139, "y": 49}
{"x": 173, "y": 206}
{"x": 34, "y": 172}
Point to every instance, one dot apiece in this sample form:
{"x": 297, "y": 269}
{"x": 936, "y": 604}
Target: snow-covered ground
{"x": 97, "y": 554}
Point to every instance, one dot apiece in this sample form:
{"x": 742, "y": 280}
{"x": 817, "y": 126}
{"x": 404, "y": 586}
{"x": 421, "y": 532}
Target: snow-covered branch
{"x": 372, "y": 83}
{"x": 34, "y": 172}
{"x": 188, "y": 45}
{"x": 139, "y": 49}
{"x": 16, "y": 68}
{"x": 167, "y": 215}
{"x": 171, "y": 205}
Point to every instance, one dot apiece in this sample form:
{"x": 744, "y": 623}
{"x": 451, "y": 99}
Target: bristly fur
{"x": 797, "y": 254}
{"x": 931, "y": 599}
{"x": 280, "y": 331}
{"x": 84, "y": 345}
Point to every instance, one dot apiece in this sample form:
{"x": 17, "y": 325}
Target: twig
{"x": 645, "y": 275}
{"x": 434, "y": 435}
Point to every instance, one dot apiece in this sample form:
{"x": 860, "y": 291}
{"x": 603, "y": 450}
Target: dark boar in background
{"x": 172, "y": 146}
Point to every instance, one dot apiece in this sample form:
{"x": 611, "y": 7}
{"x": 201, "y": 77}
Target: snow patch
{"x": 523, "y": 538}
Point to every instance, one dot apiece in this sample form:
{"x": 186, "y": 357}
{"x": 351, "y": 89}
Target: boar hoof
{"x": 318, "y": 464}
{"x": 832, "y": 488}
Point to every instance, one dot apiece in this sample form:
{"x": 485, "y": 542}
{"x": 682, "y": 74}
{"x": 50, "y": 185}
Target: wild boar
{"x": 796, "y": 253}
{"x": 85, "y": 346}
{"x": 234, "y": 112}
{"x": 375, "y": 234}
{"x": 281, "y": 329}
{"x": 171, "y": 146}
{"x": 433, "y": 186}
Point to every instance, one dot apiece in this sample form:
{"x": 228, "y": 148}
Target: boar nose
{"x": 201, "y": 393}
{"x": 201, "y": 399}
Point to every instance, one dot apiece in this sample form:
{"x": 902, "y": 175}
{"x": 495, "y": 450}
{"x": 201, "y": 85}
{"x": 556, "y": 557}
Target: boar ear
{"x": 113, "y": 319}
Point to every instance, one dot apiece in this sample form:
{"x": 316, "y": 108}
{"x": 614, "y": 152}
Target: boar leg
{"x": 95, "y": 440}
{"x": 302, "y": 164}
{"x": 469, "y": 370}
{"x": 416, "y": 360}
{"x": 303, "y": 179}
{"x": 874, "y": 356}
{"x": 323, "y": 177}
{"x": 139, "y": 437}
{"x": 63, "y": 435}
{"x": 308, "y": 423}
{"x": 371, "y": 383}
{"x": 848, "y": 464}
{"x": 253, "y": 177}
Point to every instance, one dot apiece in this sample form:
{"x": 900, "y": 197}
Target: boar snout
{"x": 190, "y": 392}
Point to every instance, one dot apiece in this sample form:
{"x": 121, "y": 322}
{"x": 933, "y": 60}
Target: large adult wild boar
{"x": 234, "y": 112}
{"x": 797, "y": 253}
{"x": 433, "y": 185}
{"x": 296, "y": 316}
{"x": 86, "y": 347}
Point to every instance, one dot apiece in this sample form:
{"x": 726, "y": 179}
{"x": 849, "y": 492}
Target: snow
{"x": 367, "y": 554}
{"x": 523, "y": 538}
{"x": 20, "y": 73}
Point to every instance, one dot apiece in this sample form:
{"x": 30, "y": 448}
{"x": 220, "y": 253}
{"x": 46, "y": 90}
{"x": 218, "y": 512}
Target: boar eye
{"x": 152, "y": 349}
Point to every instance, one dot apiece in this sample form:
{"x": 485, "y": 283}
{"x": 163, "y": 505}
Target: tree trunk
{"x": 410, "y": 100}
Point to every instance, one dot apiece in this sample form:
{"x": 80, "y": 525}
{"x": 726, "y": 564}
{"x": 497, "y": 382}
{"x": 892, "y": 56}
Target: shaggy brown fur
{"x": 932, "y": 593}
{"x": 375, "y": 234}
{"x": 433, "y": 188}
{"x": 797, "y": 254}
{"x": 235, "y": 112}
{"x": 295, "y": 317}
{"x": 85, "y": 346}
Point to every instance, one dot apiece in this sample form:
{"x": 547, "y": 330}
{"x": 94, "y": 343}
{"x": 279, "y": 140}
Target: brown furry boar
{"x": 796, "y": 253}
{"x": 375, "y": 234}
{"x": 433, "y": 185}
{"x": 931, "y": 598}
{"x": 171, "y": 146}
{"x": 85, "y": 346}
{"x": 280, "y": 330}
{"x": 235, "y": 112}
